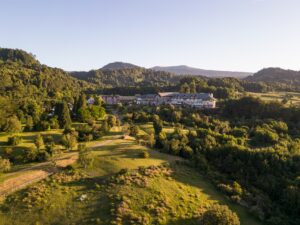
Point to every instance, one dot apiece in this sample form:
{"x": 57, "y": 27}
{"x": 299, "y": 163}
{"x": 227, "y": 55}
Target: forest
{"x": 249, "y": 149}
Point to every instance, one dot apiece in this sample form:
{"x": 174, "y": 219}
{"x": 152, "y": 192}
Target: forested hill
{"x": 119, "y": 66}
{"x": 280, "y": 78}
{"x": 186, "y": 70}
{"x": 128, "y": 77}
{"x": 21, "y": 75}
{"x": 17, "y": 55}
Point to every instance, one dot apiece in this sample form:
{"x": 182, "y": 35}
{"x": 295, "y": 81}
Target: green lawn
{"x": 98, "y": 196}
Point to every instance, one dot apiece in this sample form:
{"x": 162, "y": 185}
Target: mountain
{"x": 280, "y": 78}
{"x": 186, "y": 70}
{"x": 127, "y": 77}
{"x": 21, "y": 75}
{"x": 119, "y": 66}
{"x": 275, "y": 75}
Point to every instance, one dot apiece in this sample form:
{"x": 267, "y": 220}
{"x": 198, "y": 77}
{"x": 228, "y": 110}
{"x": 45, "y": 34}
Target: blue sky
{"x": 241, "y": 35}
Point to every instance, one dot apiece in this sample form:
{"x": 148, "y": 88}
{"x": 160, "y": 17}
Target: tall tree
{"x": 63, "y": 114}
{"x": 81, "y": 103}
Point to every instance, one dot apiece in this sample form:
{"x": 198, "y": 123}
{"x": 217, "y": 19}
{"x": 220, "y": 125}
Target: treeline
{"x": 254, "y": 159}
{"x": 32, "y": 115}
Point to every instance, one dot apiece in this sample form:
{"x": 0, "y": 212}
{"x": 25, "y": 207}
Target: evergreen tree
{"x": 81, "y": 103}
{"x": 63, "y": 114}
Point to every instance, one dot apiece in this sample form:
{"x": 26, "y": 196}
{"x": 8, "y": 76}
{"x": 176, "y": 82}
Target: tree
{"x": 185, "y": 88}
{"x": 105, "y": 127}
{"x": 99, "y": 100}
{"x": 14, "y": 140}
{"x": 81, "y": 103}
{"x": 97, "y": 112}
{"x": 54, "y": 124}
{"x": 7, "y": 152}
{"x": 69, "y": 141}
{"x": 29, "y": 124}
{"x": 39, "y": 141}
{"x": 175, "y": 146}
{"x": 237, "y": 189}
{"x": 85, "y": 156}
{"x": 157, "y": 125}
{"x": 4, "y": 165}
{"x": 50, "y": 148}
{"x": 6, "y": 108}
{"x": 134, "y": 131}
{"x": 112, "y": 120}
{"x": 219, "y": 215}
{"x": 193, "y": 87}
{"x": 63, "y": 114}
{"x": 13, "y": 125}
{"x": 150, "y": 140}
{"x": 84, "y": 115}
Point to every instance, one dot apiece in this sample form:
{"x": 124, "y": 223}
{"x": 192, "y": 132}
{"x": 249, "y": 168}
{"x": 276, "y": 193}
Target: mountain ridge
{"x": 119, "y": 65}
{"x": 186, "y": 70}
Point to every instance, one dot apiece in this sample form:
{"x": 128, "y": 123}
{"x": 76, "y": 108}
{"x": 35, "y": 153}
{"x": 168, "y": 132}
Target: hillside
{"x": 120, "y": 187}
{"x": 281, "y": 79}
{"x": 22, "y": 75}
{"x": 127, "y": 77}
{"x": 119, "y": 66}
{"x": 186, "y": 70}
{"x": 17, "y": 55}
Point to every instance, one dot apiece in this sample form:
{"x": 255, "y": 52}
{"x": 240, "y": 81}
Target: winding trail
{"x": 22, "y": 178}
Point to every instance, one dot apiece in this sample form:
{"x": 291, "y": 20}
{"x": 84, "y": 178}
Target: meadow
{"x": 120, "y": 187}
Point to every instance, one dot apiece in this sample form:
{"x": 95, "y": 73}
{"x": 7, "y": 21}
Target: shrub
{"x": 4, "y": 165}
{"x": 219, "y": 215}
{"x": 134, "y": 131}
{"x": 144, "y": 154}
{"x": 30, "y": 154}
{"x": 39, "y": 141}
{"x": 13, "y": 125}
{"x": 85, "y": 156}
{"x": 69, "y": 141}
{"x": 7, "y": 152}
{"x": 14, "y": 140}
{"x": 42, "y": 156}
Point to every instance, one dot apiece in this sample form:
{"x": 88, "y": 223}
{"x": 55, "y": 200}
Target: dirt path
{"x": 24, "y": 177}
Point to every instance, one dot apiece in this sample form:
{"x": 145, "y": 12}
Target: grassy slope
{"x": 27, "y": 141}
{"x": 173, "y": 199}
{"x": 278, "y": 96}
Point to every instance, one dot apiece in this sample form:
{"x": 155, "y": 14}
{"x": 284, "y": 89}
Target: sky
{"x": 236, "y": 35}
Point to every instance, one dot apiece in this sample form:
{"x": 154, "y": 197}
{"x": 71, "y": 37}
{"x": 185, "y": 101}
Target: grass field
{"x": 294, "y": 97}
{"x": 101, "y": 195}
{"x": 147, "y": 128}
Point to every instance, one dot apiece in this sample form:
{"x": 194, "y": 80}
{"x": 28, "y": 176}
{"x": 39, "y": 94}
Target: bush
{"x": 219, "y": 215}
{"x": 13, "y": 125}
{"x": 4, "y": 165}
{"x": 42, "y": 156}
{"x": 30, "y": 154}
{"x": 133, "y": 131}
{"x": 14, "y": 140}
{"x": 144, "y": 155}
